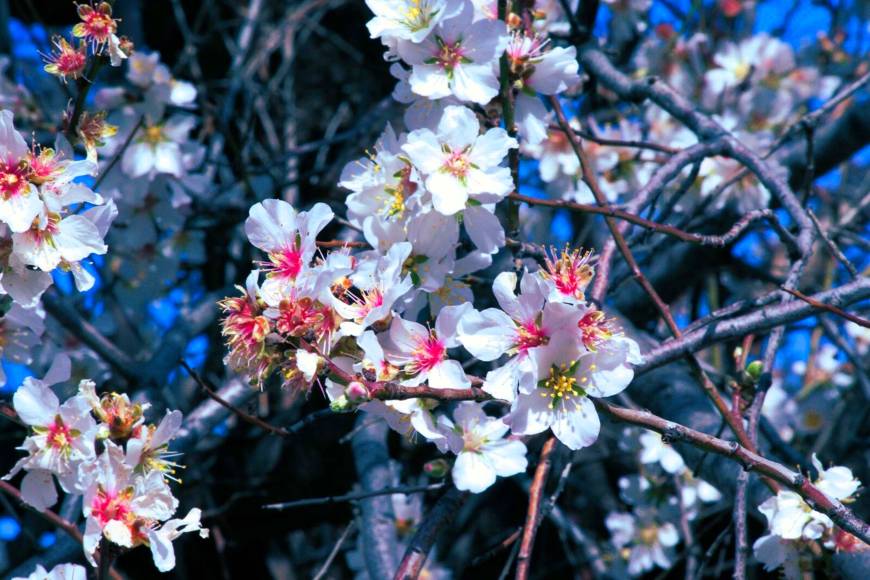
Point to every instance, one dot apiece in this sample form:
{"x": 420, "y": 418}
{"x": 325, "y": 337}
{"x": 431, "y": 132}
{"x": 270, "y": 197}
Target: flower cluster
{"x": 50, "y": 220}
{"x": 102, "y": 448}
{"x": 660, "y": 495}
{"x": 796, "y": 529}
{"x": 402, "y": 313}
{"x": 94, "y": 36}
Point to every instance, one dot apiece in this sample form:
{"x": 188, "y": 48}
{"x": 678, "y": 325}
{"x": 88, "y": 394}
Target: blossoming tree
{"x": 552, "y": 288}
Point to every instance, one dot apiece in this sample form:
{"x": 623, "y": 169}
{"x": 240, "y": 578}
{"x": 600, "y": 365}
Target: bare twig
{"x": 338, "y": 544}
{"x": 829, "y": 308}
{"x": 333, "y": 499}
{"x": 524, "y": 559}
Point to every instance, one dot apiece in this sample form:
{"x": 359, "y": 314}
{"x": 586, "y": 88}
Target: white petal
{"x": 530, "y": 414}
{"x": 487, "y": 335}
{"x": 577, "y": 426}
{"x": 458, "y": 127}
{"x": 472, "y": 473}
{"x": 35, "y": 403}
{"x": 449, "y": 195}
{"x": 484, "y": 229}
{"x": 38, "y": 490}
{"x": 271, "y": 224}
{"x": 507, "y": 457}
{"x": 448, "y": 374}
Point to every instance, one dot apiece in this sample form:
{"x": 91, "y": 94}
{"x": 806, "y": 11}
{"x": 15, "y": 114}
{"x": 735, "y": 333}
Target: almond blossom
{"x": 482, "y": 452}
{"x": 409, "y": 20}
{"x": 648, "y": 542}
{"x": 458, "y": 163}
{"x": 289, "y": 238}
{"x": 19, "y": 197}
{"x": 458, "y": 57}
{"x": 421, "y": 353}
{"x": 567, "y": 375}
{"x": 61, "y": 441}
{"x": 523, "y": 325}
{"x": 541, "y": 69}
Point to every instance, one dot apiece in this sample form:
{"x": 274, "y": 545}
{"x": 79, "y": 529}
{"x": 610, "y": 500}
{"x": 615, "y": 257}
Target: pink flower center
{"x": 457, "y": 164}
{"x": 429, "y": 352}
{"x": 59, "y": 435}
{"x": 571, "y": 272}
{"x": 595, "y": 329}
{"x": 286, "y": 263}
{"x": 13, "y": 178}
{"x": 529, "y": 335}
{"x": 70, "y": 62}
{"x": 97, "y": 24}
{"x": 41, "y": 235}
{"x": 244, "y": 326}
{"x": 107, "y": 506}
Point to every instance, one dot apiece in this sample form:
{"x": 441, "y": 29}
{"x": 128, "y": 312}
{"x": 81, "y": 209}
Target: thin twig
{"x": 524, "y": 559}
{"x": 256, "y": 421}
{"x": 331, "y": 558}
{"x": 329, "y": 500}
{"x": 828, "y": 307}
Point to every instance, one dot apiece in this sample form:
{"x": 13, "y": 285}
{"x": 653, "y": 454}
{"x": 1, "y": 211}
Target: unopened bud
{"x": 341, "y": 405}
{"x": 356, "y": 392}
{"x": 126, "y": 45}
{"x": 437, "y": 468}
{"x": 754, "y": 369}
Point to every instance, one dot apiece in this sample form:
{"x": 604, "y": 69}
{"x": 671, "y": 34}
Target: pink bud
{"x": 356, "y": 391}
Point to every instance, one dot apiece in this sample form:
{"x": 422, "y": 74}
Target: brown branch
{"x": 590, "y": 178}
{"x": 331, "y": 557}
{"x": 392, "y": 391}
{"x": 342, "y": 244}
{"x": 828, "y": 307}
{"x": 589, "y": 136}
{"x": 757, "y": 321}
{"x": 418, "y": 550}
{"x": 832, "y": 247}
{"x": 524, "y": 559}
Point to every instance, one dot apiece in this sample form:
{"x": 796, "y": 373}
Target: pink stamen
{"x": 429, "y": 352}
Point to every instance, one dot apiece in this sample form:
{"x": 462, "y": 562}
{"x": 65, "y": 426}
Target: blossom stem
{"x": 83, "y": 87}
{"x": 829, "y": 307}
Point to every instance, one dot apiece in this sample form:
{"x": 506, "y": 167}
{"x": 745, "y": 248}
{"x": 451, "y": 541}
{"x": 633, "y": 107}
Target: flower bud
{"x": 356, "y": 392}
{"x": 341, "y": 405}
{"x": 437, "y": 468}
{"x": 754, "y": 369}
